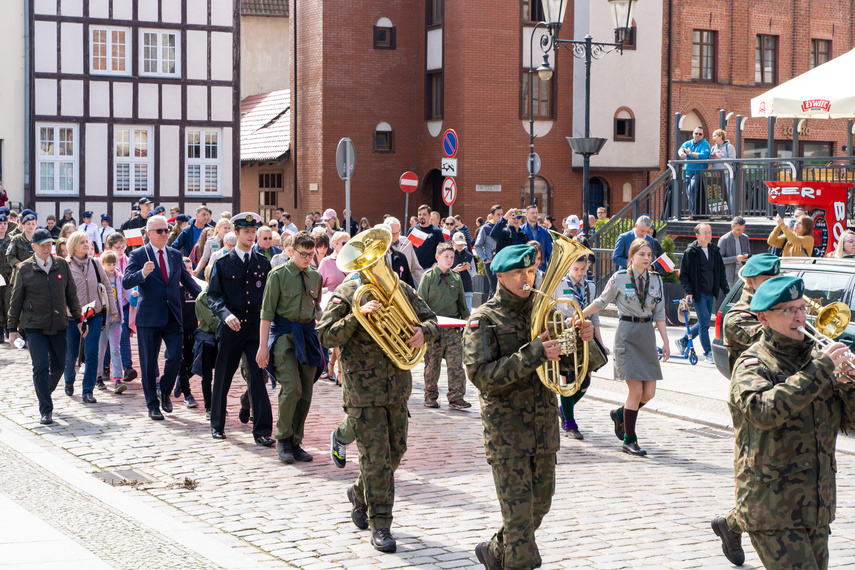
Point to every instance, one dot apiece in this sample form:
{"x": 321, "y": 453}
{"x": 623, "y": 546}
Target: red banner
{"x": 825, "y": 203}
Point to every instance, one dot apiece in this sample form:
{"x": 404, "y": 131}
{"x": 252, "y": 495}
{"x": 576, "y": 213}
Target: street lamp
{"x": 621, "y": 12}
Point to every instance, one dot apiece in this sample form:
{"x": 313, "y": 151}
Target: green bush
{"x": 668, "y": 248}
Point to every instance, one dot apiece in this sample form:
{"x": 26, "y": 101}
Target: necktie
{"x": 163, "y": 266}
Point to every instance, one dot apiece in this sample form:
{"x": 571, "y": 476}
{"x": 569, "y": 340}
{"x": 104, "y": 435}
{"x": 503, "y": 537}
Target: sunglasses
{"x": 305, "y": 254}
{"x": 160, "y": 231}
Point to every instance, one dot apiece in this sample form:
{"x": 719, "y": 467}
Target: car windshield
{"x": 826, "y": 287}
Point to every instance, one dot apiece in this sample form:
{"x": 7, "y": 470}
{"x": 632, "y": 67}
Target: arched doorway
{"x": 598, "y": 191}
{"x": 541, "y": 194}
{"x": 431, "y": 192}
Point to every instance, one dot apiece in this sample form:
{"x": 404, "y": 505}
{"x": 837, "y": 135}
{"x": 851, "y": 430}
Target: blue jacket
{"x": 541, "y": 235}
{"x": 185, "y": 242}
{"x": 620, "y": 255}
{"x": 506, "y": 235}
{"x": 154, "y": 293}
{"x": 703, "y": 149}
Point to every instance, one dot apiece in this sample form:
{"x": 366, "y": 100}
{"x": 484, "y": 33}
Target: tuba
{"x": 565, "y": 252}
{"x": 393, "y": 323}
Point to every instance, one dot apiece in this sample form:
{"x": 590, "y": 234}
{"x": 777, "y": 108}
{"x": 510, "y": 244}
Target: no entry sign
{"x": 409, "y": 181}
{"x": 449, "y": 143}
{"x": 449, "y": 191}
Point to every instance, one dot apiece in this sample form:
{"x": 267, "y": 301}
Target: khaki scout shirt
{"x": 740, "y": 328}
{"x": 444, "y": 293}
{"x": 787, "y": 411}
{"x": 284, "y": 294}
{"x": 621, "y": 290}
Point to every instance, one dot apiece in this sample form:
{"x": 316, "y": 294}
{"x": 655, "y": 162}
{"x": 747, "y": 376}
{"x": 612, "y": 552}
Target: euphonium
{"x": 565, "y": 252}
{"x": 394, "y": 322}
{"x": 829, "y": 320}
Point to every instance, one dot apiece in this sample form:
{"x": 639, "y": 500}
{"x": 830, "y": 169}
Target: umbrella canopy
{"x": 824, "y": 92}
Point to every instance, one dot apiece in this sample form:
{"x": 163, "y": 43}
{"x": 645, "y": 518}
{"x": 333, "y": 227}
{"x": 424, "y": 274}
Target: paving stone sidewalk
{"x": 610, "y": 510}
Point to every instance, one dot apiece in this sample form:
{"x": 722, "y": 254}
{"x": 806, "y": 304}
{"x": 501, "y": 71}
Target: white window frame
{"x": 110, "y": 60}
{"x": 159, "y": 53}
{"x": 57, "y": 160}
{"x": 132, "y": 161}
{"x": 202, "y": 163}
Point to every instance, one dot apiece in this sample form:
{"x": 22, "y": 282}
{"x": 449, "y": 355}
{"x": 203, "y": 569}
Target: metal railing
{"x": 653, "y": 201}
{"x": 604, "y": 267}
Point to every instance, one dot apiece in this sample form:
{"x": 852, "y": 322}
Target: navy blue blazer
{"x": 154, "y": 293}
{"x": 620, "y": 255}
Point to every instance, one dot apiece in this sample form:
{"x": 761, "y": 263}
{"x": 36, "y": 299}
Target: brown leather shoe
{"x": 485, "y": 557}
{"x": 731, "y": 542}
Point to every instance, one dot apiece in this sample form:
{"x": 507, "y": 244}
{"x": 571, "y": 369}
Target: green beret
{"x": 777, "y": 290}
{"x": 513, "y": 257}
{"x": 762, "y": 264}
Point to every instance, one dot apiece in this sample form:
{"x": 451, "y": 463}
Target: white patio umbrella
{"x": 824, "y": 92}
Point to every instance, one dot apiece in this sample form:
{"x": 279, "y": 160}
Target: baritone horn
{"x": 565, "y": 252}
{"x": 829, "y": 322}
{"x": 395, "y": 321}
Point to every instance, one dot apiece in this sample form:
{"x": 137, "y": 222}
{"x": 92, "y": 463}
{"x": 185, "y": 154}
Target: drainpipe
{"x": 28, "y": 117}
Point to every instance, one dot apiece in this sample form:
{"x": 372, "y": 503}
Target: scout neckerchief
{"x": 640, "y": 293}
{"x": 578, "y": 290}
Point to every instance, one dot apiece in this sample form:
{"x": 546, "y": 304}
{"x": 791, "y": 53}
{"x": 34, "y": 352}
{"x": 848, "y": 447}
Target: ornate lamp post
{"x": 621, "y": 11}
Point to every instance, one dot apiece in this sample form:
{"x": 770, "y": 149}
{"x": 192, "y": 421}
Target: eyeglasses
{"x": 518, "y": 217}
{"x": 160, "y": 231}
{"x": 698, "y": 134}
{"x": 790, "y": 312}
{"x": 449, "y": 223}
{"x": 305, "y": 254}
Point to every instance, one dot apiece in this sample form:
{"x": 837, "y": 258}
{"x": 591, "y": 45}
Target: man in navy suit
{"x": 620, "y": 255}
{"x": 159, "y": 271}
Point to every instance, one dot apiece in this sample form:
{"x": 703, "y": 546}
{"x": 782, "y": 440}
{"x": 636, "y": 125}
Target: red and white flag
{"x": 287, "y": 232}
{"x": 87, "y": 310}
{"x": 446, "y": 234}
{"x": 665, "y": 262}
{"x": 417, "y": 237}
{"x": 134, "y": 237}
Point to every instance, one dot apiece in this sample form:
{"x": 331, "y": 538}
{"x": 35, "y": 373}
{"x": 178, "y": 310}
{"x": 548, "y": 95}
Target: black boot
{"x": 381, "y": 539}
{"x": 283, "y": 447}
{"x": 358, "y": 511}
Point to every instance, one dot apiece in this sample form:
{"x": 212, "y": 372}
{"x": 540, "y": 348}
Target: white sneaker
{"x": 708, "y": 357}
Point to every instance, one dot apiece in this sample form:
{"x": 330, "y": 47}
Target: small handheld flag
{"x": 665, "y": 262}
{"x": 417, "y": 237}
{"x": 134, "y": 237}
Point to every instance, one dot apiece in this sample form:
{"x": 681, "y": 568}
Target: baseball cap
{"x": 329, "y": 214}
{"x": 458, "y": 237}
{"x": 573, "y": 222}
{"x": 41, "y": 236}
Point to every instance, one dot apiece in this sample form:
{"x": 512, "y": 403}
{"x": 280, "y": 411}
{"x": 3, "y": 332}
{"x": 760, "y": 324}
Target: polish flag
{"x": 287, "y": 232}
{"x": 665, "y": 262}
{"x": 88, "y": 310}
{"x": 446, "y": 234}
{"x": 134, "y": 237}
{"x": 417, "y": 237}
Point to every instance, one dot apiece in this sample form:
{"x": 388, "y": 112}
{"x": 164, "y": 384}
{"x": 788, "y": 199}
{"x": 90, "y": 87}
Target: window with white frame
{"x": 110, "y": 51}
{"x": 57, "y": 159}
{"x": 203, "y": 161}
{"x": 132, "y": 152}
{"x": 159, "y": 53}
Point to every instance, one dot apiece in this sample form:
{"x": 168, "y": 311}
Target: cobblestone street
{"x": 610, "y": 510}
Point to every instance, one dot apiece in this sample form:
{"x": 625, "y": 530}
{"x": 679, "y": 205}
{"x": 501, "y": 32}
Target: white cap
{"x": 573, "y": 222}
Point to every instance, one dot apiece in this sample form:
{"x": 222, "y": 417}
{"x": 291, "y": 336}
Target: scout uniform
{"x": 443, "y": 292}
{"x": 787, "y": 410}
{"x": 518, "y": 414}
{"x": 92, "y": 231}
{"x": 205, "y": 347}
{"x": 237, "y": 288}
{"x": 374, "y": 396}
{"x": 291, "y": 303}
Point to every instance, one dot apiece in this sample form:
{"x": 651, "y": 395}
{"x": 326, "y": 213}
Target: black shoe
{"x": 155, "y": 414}
{"x": 381, "y": 539}
{"x": 119, "y": 387}
{"x": 283, "y": 448}
{"x": 190, "y": 402}
{"x": 459, "y": 405}
{"x": 264, "y": 441}
{"x": 165, "y": 403}
{"x": 431, "y": 404}
{"x": 338, "y": 452}
{"x": 300, "y": 454}
{"x": 485, "y": 557}
{"x": 731, "y": 542}
{"x": 633, "y": 449}
{"x": 89, "y": 399}
{"x": 218, "y": 434}
{"x": 618, "y": 424}
{"x": 575, "y": 434}
{"x": 243, "y": 415}
{"x": 99, "y": 383}
{"x": 177, "y": 390}
{"x": 358, "y": 511}
{"x": 46, "y": 419}
{"x": 130, "y": 374}
{"x": 69, "y": 389}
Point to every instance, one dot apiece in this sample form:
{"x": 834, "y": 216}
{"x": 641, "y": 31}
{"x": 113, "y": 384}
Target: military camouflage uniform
{"x": 443, "y": 292}
{"x": 6, "y": 273}
{"x": 374, "y": 395}
{"x": 518, "y": 414}
{"x": 787, "y": 410}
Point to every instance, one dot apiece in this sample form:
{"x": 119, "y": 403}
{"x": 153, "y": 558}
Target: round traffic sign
{"x": 449, "y": 191}
{"x": 345, "y": 158}
{"x": 449, "y": 143}
{"x": 409, "y": 182}
{"x": 532, "y": 163}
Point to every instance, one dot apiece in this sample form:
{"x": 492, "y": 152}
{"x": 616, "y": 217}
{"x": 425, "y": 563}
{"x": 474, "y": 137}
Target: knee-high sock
{"x": 629, "y": 418}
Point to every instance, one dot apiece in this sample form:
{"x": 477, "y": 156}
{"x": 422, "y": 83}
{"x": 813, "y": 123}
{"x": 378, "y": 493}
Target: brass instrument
{"x": 394, "y": 322}
{"x": 829, "y": 322}
{"x": 565, "y": 252}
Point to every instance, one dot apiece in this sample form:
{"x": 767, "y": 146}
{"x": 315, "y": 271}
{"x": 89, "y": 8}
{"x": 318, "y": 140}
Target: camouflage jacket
{"x": 740, "y": 328}
{"x": 517, "y": 411}
{"x": 20, "y": 249}
{"x": 370, "y": 378}
{"x": 787, "y": 410}
{"x": 5, "y": 267}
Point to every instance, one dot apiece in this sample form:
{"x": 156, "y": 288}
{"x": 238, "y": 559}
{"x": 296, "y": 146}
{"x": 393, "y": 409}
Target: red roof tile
{"x": 265, "y": 126}
{"x": 264, "y": 8}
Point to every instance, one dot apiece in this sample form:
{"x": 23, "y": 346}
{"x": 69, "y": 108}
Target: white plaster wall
{"x": 72, "y": 98}
{"x": 171, "y": 12}
{"x": 72, "y": 8}
{"x": 148, "y": 98}
{"x": 221, "y": 103}
{"x": 197, "y": 103}
{"x": 148, "y": 11}
{"x": 197, "y": 55}
{"x": 123, "y": 10}
{"x": 170, "y": 152}
{"x": 96, "y": 159}
{"x": 44, "y": 56}
{"x": 222, "y": 12}
{"x": 13, "y": 107}
{"x": 71, "y": 52}
{"x": 197, "y": 11}
{"x": 171, "y": 95}
{"x": 123, "y": 100}
{"x": 99, "y": 8}
{"x": 44, "y": 7}
{"x": 265, "y": 49}
{"x": 99, "y": 99}
{"x": 226, "y": 176}
{"x": 630, "y": 80}
{"x": 46, "y": 97}
{"x": 96, "y": 208}
{"x": 222, "y": 68}
{"x": 434, "y": 49}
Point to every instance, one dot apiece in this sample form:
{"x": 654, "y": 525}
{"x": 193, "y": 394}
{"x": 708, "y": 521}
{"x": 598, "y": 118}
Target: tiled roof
{"x": 265, "y": 126}
{"x": 264, "y": 8}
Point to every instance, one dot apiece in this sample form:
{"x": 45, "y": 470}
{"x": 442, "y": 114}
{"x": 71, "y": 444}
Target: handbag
{"x": 102, "y": 295}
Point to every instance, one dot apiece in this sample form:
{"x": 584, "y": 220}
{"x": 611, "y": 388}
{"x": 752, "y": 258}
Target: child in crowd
{"x": 115, "y": 242}
{"x": 189, "y": 325}
{"x": 111, "y": 335}
{"x": 464, "y": 264}
{"x": 205, "y": 343}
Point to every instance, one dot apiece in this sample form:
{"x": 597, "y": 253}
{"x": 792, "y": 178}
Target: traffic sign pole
{"x": 345, "y": 161}
{"x": 406, "y": 211}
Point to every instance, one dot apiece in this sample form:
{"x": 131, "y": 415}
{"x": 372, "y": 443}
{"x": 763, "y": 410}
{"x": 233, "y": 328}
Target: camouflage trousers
{"x": 792, "y": 549}
{"x": 381, "y": 437}
{"x": 732, "y": 523}
{"x": 448, "y": 345}
{"x": 524, "y": 486}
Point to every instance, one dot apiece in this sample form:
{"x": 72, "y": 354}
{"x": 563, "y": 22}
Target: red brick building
{"x": 393, "y": 75}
